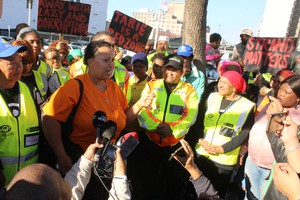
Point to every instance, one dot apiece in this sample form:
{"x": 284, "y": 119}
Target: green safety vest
{"x": 42, "y": 83}
{"x": 63, "y": 75}
{"x": 179, "y": 109}
{"x": 19, "y": 136}
{"x": 121, "y": 77}
{"x": 44, "y": 68}
{"x": 80, "y": 68}
{"x": 221, "y": 128}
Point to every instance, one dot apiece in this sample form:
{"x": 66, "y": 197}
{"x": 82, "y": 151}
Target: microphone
{"x": 98, "y": 121}
{"x": 109, "y": 131}
{"x": 107, "y": 135}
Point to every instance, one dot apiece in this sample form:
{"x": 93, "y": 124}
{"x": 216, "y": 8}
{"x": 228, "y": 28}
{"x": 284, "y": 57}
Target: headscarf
{"x": 230, "y": 65}
{"x": 285, "y": 73}
{"x": 236, "y": 80}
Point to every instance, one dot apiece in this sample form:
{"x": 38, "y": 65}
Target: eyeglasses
{"x": 156, "y": 65}
{"x": 55, "y": 59}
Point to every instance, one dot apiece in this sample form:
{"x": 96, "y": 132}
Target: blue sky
{"x": 228, "y": 17}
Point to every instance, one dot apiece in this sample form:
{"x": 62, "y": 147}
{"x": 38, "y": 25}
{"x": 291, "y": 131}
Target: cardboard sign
{"x": 129, "y": 33}
{"x": 268, "y": 55}
{"x": 59, "y": 16}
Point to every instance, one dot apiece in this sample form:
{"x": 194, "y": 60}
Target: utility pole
{"x": 29, "y": 6}
{"x": 157, "y": 25}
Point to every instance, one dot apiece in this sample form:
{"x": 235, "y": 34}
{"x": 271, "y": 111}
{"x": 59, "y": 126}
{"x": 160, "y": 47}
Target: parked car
{"x": 6, "y": 38}
{"x": 72, "y": 46}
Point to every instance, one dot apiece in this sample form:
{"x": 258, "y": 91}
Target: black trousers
{"x": 153, "y": 177}
{"x": 219, "y": 177}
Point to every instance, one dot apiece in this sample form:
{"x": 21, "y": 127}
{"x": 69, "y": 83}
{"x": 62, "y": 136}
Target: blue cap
{"x": 7, "y": 49}
{"x": 185, "y": 50}
{"x": 140, "y": 57}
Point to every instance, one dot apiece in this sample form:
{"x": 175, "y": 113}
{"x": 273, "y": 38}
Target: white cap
{"x": 248, "y": 32}
{"x": 163, "y": 38}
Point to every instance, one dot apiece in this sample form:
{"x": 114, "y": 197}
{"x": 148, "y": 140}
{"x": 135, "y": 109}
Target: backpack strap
{"x": 74, "y": 110}
{"x": 72, "y": 149}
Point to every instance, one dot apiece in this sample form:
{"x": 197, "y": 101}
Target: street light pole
{"x": 157, "y": 25}
{"x": 29, "y": 5}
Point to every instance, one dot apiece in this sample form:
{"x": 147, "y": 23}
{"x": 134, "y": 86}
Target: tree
{"x": 194, "y": 29}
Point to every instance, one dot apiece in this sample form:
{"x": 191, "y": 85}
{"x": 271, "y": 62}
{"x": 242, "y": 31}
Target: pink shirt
{"x": 259, "y": 147}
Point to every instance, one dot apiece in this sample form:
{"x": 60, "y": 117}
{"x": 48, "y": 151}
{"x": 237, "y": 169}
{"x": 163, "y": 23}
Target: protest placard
{"x": 59, "y": 16}
{"x": 129, "y": 33}
{"x": 268, "y": 55}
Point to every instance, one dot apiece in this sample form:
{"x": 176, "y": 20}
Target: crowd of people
{"x": 199, "y": 133}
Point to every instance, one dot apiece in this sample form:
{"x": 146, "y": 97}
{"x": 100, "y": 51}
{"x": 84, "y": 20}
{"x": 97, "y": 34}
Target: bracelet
{"x": 292, "y": 149}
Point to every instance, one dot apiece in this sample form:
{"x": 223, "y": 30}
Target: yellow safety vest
{"x": 41, "y": 82}
{"x": 78, "y": 68}
{"x": 58, "y": 78}
{"x": 44, "y": 68}
{"x": 179, "y": 109}
{"x": 121, "y": 77}
{"x": 221, "y": 128}
{"x": 19, "y": 136}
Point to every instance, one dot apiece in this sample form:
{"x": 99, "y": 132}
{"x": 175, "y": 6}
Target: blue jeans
{"x": 211, "y": 74}
{"x": 256, "y": 180}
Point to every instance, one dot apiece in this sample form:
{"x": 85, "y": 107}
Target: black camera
{"x": 105, "y": 165}
{"x": 105, "y": 157}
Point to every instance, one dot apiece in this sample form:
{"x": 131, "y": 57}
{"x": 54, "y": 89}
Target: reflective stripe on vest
{"x": 221, "y": 128}
{"x": 19, "y": 139}
{"x": 63, "y": 75}
{"x": 179, "y": 109}
{"x": 42, "y": 84}
{"x": 44, "y": 69}
{"x": 120, "y": 75}
{"x": 80, "y": 68}
{"x": 16, "y": 160}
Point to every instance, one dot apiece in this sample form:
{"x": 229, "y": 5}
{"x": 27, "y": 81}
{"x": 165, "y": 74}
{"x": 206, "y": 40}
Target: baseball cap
{"x": 248, "y": 32}
{"x": 176, "y": 62}
{"x": 7, "y": 49}
{"x": 139, "y": 57}
{"x": 185, "y": 50}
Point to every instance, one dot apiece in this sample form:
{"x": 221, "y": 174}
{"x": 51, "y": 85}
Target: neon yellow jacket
{"x": 221, "y": 128}
{"x": 58, "y": 78}
{"x": 42, "y": 83}
{"x": 19, "y": 136}
{"x": 44, "y": 68}
{"x": 179, "y": 109}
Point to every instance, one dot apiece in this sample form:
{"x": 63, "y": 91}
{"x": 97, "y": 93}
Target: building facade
{"x": 280, "y": 19}
{"x": 9, "y": 19}
{"x": 167, "y": 22}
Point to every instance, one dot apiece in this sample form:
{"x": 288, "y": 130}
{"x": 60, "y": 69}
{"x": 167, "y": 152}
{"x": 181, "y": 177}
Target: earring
{"x": 297, "y": 105}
